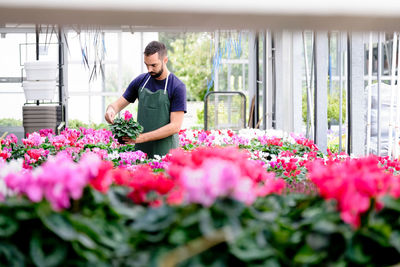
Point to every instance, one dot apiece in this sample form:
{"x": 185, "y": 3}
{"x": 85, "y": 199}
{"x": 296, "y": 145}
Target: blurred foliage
{"x": 109, "y": 230}
{"x": 76, "y": 124}
{"x": 333, "y": 107}
{"x": 333, "y": 143}
{"x": 190, "y": 60}
{"x": 10, "y": 122}
{"x": 200, "y": 116}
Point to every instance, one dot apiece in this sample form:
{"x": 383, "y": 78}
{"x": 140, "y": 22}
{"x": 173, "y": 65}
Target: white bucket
{"x": 39, "y": 90}
{"x": 41, "y": 70}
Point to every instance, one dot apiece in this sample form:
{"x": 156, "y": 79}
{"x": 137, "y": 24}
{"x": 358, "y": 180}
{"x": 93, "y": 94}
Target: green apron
{"x": 153, "y": 113}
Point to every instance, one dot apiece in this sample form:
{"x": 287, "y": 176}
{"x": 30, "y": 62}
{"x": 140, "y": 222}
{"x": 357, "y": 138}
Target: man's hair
{"x": 154, "y": 47}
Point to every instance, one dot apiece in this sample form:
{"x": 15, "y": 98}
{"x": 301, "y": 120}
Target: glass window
{"x": 78, "y": 108}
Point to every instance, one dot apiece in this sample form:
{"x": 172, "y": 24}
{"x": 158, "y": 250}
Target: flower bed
{"x": 223, "y": 198}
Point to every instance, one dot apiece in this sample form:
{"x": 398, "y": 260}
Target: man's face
{"x": 154, "y": 64}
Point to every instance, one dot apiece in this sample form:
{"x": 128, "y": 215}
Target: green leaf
{"x": 206, "y": 224}
{"x": 99, "y": 232}
{"x": 155, "y": 219}
{"x": 394, "y": 240}
{"x": 391, "y": 203}
{"x": 247, "y": 249}
{"x": 306, "y": 255}
{"x": 355, "y": 252}
{"x": 121, "y": 204}
{"x": 90, "y": 255}
{"x": 47, "y": 251}
{"x": 8, "y": 226}
{"x": 129, "y": 128}
{"x": 10, "y": 255}
{"x": 317, "y": 241}
{"x": 178, "y": 237}
{"x": 325, "y": 226}
{"x": 58, "y": 224}
{"x": 380, "y": 232}
{"x": 271, "y": 263}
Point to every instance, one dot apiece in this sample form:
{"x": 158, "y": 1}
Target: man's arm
{"x": 176, "y": 119}
{"x": 114, "y": 108}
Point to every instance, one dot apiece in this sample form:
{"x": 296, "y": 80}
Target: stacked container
{"x": 40, "y": 84}
{"x": 36, "y": 118}
{"x": 40, "y": 81}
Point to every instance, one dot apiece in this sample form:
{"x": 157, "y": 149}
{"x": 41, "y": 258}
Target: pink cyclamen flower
{"x": 33, "y": 139}
{"x": 352, "y": 183}
{"x": 208, "y": 173}
{"x": 127, "y": 115}
{"x": 11, "y": 138}
{"x": 58, "y": 180}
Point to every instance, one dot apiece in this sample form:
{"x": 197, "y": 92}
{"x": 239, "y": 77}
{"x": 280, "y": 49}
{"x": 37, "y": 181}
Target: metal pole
{"x": 37, "y": 41}
{"x": 392, "y": 84}
{"x": 264, "y": 79}
{"x": 273, "y": 72}
{"x": 340, "y": 69}
{"x": 229, "y": 102}
{"x": 103, "y": 73}
{"x": 216, "y": 77}
{"x": 61, "y": 74}
{"x": 349, "y": 95}
{"x": 321, "y": 89}
{"x": 397, "y": 106}
{"x": 346, "y": 77}
{"x": 216, "y": 52}
{"x": 308, "y": 85}
{"x": 297, "y": 82}
{"x": 257, "y": 93}
{"x": 370, "y": 59}
{"x": 312, "y": 88}
{"x": 378, "y": 119}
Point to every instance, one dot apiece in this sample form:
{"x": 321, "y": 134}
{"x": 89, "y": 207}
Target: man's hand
{"x": 140, "y": 139}
{"x": 114, "y": 108}
{"x": 110, "y": 115}
{"x": 171, "y": 128}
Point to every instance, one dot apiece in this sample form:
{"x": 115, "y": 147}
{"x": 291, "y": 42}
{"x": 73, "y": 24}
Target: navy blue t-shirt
{"x": 176, "y": 90}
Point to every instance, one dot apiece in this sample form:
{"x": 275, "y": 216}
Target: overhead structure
{"x": 209, "y": 14}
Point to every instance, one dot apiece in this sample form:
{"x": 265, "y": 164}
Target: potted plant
{"x": 126, "y": 126}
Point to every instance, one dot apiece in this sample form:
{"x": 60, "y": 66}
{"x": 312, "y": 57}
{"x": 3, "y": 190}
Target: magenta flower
{"x": 131, "y": 158}
{"x": 59, "y": 141}
{"x": 11, "y": 138}
{"x": 46, "y": 132}
{"x": 5, "y": 153}
{"x": 33, "y": 139}
{"x": 208, "y": 173}
{"x": 353, "y": 183}
{"x": 215, "y": 178}
{"x": 127, "y": 115}
{"x": 58, "y": 180}
{"x": 91, "y": 136}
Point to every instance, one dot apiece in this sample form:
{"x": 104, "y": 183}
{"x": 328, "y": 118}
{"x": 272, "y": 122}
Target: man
{"x": 162, "y": 103}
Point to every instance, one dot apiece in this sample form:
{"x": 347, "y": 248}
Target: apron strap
{"x": 166, "y": 83}
{"x": 165, "y": 88}
{"x": 145, "y": 83}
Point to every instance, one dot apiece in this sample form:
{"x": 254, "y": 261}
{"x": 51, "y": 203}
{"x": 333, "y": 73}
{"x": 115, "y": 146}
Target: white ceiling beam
{"x": 209, "y": 14}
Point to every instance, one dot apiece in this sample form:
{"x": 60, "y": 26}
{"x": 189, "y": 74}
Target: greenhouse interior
{"x": 199, "y": 134}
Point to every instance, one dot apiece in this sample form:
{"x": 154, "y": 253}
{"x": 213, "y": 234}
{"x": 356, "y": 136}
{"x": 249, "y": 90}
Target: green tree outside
{"x": 190, "y": 59}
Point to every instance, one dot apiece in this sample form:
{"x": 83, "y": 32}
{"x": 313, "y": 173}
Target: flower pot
{"x": 39, "y": 90}
{"x": 122, "y": 142}
{"x": 41, "y": 70}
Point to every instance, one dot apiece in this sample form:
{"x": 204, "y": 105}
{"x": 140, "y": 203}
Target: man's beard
{"x": 157, "y": 74}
